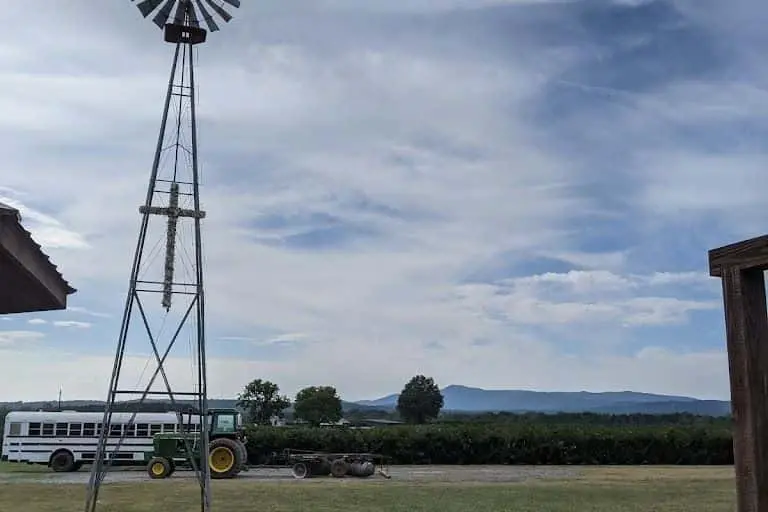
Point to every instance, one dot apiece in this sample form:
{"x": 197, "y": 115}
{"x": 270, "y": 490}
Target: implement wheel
{"x": 159, "y": 467}
{"x": 339, "y": 468}
{"x": 224, "y": 458}
{"x": 301, "y": 470}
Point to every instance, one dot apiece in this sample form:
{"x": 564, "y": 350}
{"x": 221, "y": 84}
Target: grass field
{"x": 592, "y": 489}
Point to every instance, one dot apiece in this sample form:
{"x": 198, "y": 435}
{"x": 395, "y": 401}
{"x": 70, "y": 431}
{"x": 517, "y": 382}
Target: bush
{"x": 506, "y": 444}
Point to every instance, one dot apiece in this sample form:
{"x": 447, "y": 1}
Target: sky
{"x": 501, "y": 194}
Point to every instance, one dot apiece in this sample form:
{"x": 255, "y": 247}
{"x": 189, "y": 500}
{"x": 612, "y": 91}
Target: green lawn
{"x": 645, "y": 489}
{"x": 6, "y": 468}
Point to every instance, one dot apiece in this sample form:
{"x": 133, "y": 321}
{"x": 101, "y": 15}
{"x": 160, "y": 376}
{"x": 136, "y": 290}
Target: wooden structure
{"x": 741, "y": 268}
{"x": 28, "y": 280}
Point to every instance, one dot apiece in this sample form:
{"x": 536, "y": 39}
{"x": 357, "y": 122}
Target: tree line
{"x": 419, "y": 402}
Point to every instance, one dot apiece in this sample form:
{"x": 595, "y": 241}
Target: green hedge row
{"x": 506, "y": 444}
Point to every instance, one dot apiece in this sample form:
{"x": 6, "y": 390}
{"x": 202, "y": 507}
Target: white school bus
{"x": 66, "y": 440}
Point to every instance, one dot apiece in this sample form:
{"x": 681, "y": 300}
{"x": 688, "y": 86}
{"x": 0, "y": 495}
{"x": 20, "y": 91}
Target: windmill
{"x": 169, "y": 186}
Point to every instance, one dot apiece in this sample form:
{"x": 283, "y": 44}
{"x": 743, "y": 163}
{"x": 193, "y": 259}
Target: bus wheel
{"x": 62, "y": 461}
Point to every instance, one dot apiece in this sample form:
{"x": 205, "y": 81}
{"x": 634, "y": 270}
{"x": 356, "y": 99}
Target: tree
{"x": 3, "y": 412}
{"x": 317, "y": 404}
{"x": 420, "y": 400}
{"x": 261, "y": 401}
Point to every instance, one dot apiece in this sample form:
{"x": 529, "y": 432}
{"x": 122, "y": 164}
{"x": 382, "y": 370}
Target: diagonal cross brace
{"x": 159, "y": 370}
{"x": 173, "y": 212}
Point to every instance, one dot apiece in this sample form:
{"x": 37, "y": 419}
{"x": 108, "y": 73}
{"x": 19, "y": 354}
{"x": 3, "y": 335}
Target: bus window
{"x": 89, "y": 429}
{"x": 155, "y": 429}
{"x": 48, "y": 429}
{"x": 115, "y": 430}
{"x": 75, "y": 429}
{"x": 130, "y": 430}
{"x": 169, "y": 427}
{"x": 142, "y": 430}
{"x": 15, "y": 429}
{"x": 61, "y": 429}
{"x": 34, "y": 429}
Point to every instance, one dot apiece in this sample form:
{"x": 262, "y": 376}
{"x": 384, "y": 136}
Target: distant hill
{"x": 466, "y": 399}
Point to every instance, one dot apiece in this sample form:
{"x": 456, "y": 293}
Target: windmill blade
{"x": 182, "y": 9}
{"x": 193, "y": 21}
{"x": 186, "y": 12}
{"x": 147, "y": 6}
{"x": 212, "y": 26}
{"x": 220, "y": 11}
{"x": 163, "y": 14}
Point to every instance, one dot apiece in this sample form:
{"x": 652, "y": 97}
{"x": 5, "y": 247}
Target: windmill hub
{"x": 184, "y": 34}
{"x": 188, "y": 16}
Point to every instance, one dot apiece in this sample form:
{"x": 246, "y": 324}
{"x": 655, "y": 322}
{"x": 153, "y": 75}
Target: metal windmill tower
{"x": 173, "y": 193}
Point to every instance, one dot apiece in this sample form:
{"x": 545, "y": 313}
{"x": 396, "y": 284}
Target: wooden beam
{"x": 747, "y": 254}
{"x": 746, "y": 322}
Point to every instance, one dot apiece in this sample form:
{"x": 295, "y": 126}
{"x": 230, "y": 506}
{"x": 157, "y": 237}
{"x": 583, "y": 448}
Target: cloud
{"x": 12, "y": 339}
{"x": 87, "y": 312}
{"x": 37, "y": 321}
{"x": 72, "y": 324}
{"x": 49, "y": 232}
{"x": 585, "y": 298}
{"x": 503, "y": 194}
{"x": 522, "y": 365}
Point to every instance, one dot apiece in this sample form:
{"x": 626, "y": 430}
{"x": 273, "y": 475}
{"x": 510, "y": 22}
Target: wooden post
{"x": 741, "y": 267}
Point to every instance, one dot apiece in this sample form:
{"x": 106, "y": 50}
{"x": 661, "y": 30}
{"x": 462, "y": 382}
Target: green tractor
{"x": 227, "y": 455}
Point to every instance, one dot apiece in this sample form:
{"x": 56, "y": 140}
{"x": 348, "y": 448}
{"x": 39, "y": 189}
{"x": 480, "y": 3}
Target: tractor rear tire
{"x": 224, "y": 458}
{"x": 243, "y": 456}
{"x": 159, "y": 467}
{"x": 173, "y": 466}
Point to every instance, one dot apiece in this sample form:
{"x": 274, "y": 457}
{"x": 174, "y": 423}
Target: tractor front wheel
{"x": 159, "y": 467}
{"x": 224, "y": 458}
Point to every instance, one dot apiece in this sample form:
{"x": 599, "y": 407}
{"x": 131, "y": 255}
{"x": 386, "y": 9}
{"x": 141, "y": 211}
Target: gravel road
{"x": 465, "y": 474}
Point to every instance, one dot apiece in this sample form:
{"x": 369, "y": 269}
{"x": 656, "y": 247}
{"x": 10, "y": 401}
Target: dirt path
{"x": 465, "y": 474}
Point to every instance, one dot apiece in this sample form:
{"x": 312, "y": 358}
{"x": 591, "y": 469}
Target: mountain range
{"x": 467, "y": 399}
{"x": 463, "y": 399}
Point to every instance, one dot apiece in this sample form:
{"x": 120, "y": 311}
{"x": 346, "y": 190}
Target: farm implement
{"x": 307, "y": 464}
